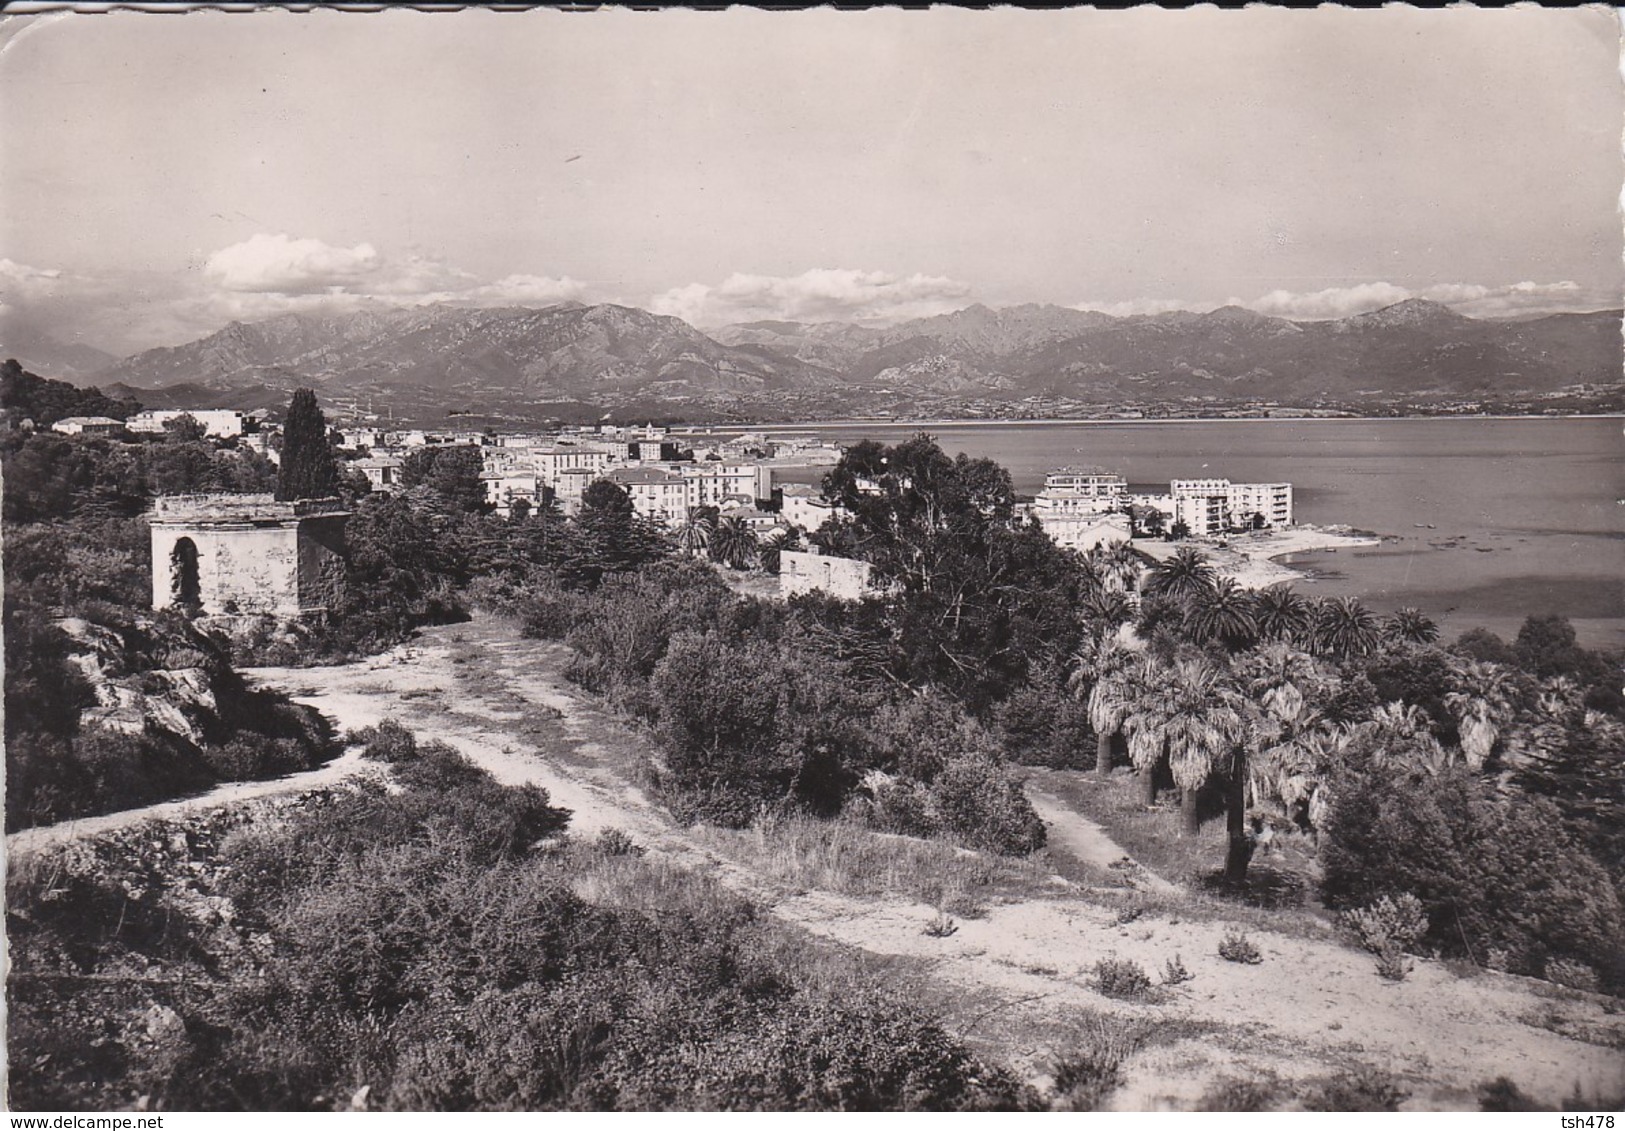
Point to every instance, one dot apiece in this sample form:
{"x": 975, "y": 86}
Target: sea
{"x": 1484, "y": 520}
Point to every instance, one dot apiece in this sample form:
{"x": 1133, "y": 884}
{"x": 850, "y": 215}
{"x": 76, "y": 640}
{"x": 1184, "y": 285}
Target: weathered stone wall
{"x": 321, "y": 562}
{"x": 801, "y": 572}
{"x": 243, "y": 569}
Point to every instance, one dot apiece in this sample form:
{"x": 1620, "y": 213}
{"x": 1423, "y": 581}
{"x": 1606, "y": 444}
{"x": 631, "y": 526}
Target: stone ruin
{"x": 228, "y": 555}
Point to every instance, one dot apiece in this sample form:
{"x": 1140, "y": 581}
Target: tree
{"x": 1102, "y": 679}
{"x": 1481, "y": 702}
{"x": 1201, "y": 724}
{"x": 694, "y": 539}
{"x": 1179, "y": 531}
{"x": 734, "y": 543}
{"x": 1283, "y": 615}
{"x": 452, "y": 473}
{"x": 1409, "y": 626}
{"x": 308, "y": 469}
{"x": 1227, "y": 614}
{"x": 1183, "y": 576}
{"x": 184, "y": 428}
{"x": 1344, "y": 628}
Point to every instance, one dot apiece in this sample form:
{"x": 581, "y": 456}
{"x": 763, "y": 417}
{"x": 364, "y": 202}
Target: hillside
{"x": 614, "y": 357}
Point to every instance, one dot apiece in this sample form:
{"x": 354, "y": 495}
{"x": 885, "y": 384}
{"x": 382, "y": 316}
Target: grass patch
{"x": 804, "y": 853}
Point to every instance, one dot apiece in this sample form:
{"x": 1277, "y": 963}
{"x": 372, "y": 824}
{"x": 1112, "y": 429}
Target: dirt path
{"x": 1311, "y": 1005}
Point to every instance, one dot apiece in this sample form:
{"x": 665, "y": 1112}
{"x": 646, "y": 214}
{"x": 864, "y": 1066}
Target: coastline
{"x": 1252, "y": 560}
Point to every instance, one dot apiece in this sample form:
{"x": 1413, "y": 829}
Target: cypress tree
{"x": 307, "y": 470}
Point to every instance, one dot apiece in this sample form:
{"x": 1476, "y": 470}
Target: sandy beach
{"x": 1250, "y": 558}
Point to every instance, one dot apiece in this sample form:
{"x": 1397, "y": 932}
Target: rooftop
{"x": 238, "y": 508}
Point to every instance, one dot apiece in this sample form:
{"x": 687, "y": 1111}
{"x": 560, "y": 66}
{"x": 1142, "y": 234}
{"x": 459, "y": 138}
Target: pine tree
{"x": 307, "y": 470}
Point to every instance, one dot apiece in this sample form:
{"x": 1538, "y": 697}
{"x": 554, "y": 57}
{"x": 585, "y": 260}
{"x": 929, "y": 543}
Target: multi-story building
{"x": 1083, "y": 532}
{"x": 220, "y": 422}
{"x": 1211, "y": 506}
{"x": 552, "y": 460}
{"x": 710, "y": 484}
{"x": 505, "y": 488}
{"x": 1088, "y": 482}
{"x": 569, "y": 485}
{"x": 1272, "y": 501}
{"x": 383, "y": 472}
{"x": 657, "y": 495}
{"x": 805, "y": 506}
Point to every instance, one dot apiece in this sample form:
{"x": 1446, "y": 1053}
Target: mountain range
{"x": 614, "y": 356}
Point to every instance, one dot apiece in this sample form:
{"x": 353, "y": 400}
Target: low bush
{"x": 1359, "y": 1089}
{"x": 388, "y": 742}
{"x": 1236, "y": 947}
{"x": 1085, "y": 1076}
{"x": 940, "y": 926}
{"x": 1389, "y": 924}
{"x": 1393, "y": 964}
{"x": 1501, "y": 1094}
{"x": 1174, "y": 973}
{"x": 1574, "y": 975}
{"x": 1120, "y": 978}
{"x": 1241, "y": 1093}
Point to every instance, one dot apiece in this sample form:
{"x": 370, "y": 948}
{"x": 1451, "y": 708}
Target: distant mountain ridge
{"x": 609, "y": 354}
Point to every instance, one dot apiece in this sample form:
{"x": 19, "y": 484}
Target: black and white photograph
{"x": 574, "y": 559}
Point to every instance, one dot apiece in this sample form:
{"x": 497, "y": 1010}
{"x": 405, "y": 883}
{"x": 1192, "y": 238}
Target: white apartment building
{"x": 659, "y": 496}
{"x": 505, "y": 488}
{"x": 551, "y": 461}
{"x": 804, "y": 506}
{"x": 569, "y": 485}
{"x": 1211, "y": 506}
{"x": 221, "y": 422}
{"x": 710, "y": 484}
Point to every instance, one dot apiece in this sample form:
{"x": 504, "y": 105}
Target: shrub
{"x": 1174, "y": 973}
{"x": 1240, "y": 1093}
{"x": 250, "y": 757}
{"x": 615, "y": 842}
{"x": 977, "y": 802}
{"x": 388, "y": 742}
{"x": 1360, "y": 1089}
{"x": 1492, "y": 873}
{"x": 1236, "y": 947}
{"x": 1087, "y": 1074}
{"x": 1574, "y": 975}
{"x": 1393, "y": 963}
{"x": 1389, "y": 924}
{"x": 1120, "y": 978}
{"x": 940, "y": 926}
{"x": 1501, "y": 1094}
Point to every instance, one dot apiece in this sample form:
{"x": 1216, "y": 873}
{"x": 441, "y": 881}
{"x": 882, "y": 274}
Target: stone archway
{"x": 185, "y": 584}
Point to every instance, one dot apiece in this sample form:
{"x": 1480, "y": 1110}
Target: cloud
{"x": 819, "y": 295}
{"x": 280, "y": 264}
{"x": 1473, "y": 299}
{"x": 1145, "y": 306}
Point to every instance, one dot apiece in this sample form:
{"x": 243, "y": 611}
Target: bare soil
{"x": 1016, "y": 981}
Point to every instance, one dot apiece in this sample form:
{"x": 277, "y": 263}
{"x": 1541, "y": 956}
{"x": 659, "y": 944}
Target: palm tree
{"x": 1401, "y": 735}
{"x": 1185, "y": 575}
{"x": 1226, "y": 614}
{"x": 1282, "y": 614}
{"x": 1103, "y": 678}
{"x": 1344, "y": 628}
{"x": 1409, "y": 626}
{"x": 769, "y": 553}
{"x": 1119, "y": 566}
{"x": 695, "y": 536}
{"x": 734, "y": 543}
{"x": 1143, "y": 691}
{"x": 1201, "y": 724}
{"x": 1482, "y": 705}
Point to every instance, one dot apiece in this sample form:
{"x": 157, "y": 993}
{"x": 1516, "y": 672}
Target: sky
{"x": 164, "y": 174}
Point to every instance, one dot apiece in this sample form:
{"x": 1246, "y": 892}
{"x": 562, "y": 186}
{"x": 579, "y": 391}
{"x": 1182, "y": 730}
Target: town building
{"x": 1083, "y": 532}
{"x": 551, "y": 461}
{"x": 383, "y": 472}
{"x": 505, "y": 488}
{"x": 710, "y": 484}
{"x": 807, "y": 571}
{"x": 657, "y": 495}
{"x": 88, "y": 426}
{"x": 222, "y": 423}
{"x": 804, "y": 506}
{"x": 247, "y": 554}
{"x": 569, "y": 485}
{"x": 1212, "y": 506}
